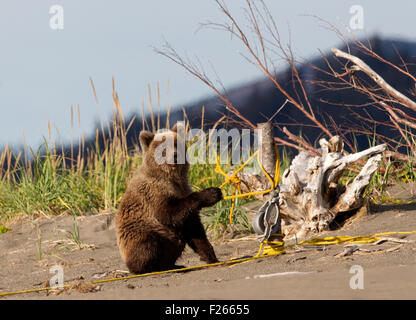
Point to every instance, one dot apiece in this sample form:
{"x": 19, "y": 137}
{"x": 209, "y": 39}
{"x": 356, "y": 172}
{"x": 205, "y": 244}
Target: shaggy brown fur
{"x": 159, "y": 213}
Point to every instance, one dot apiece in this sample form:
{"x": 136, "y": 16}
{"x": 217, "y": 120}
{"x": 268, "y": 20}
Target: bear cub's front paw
{"x": 210, "y": 196}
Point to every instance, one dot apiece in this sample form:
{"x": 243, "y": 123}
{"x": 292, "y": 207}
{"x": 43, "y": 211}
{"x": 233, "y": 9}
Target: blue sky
{"x": 43, "y": 71}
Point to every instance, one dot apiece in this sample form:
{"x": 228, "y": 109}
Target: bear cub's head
{"x": 165, "y": 151}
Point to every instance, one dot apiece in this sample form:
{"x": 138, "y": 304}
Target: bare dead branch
{"x": 362, "y": 66}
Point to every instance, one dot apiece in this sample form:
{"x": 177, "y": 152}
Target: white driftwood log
{"x": 310, "y": 195}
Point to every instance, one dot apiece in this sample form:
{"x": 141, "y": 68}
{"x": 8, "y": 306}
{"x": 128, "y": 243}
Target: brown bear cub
{"x": 159, "y": 213}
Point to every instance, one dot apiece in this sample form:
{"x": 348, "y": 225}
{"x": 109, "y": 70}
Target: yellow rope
{"x": 236, "y": 181}
{"x": 277, "y": 247}
{"x": 397, "y": 201}
{"x": 393, "y": 232}
{"x": 233, "y": 261}
{"x": 339, "y": 240}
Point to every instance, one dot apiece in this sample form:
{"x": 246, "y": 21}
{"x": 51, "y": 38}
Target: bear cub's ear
{"x": 145, "y": 139}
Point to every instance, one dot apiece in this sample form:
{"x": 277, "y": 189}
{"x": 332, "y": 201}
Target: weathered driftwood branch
{"x": 310, "y": 195}
{"x": 361, "y": 65}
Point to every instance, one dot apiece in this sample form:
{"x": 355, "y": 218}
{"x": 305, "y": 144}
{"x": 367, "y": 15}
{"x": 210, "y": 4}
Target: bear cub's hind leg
{"x": 196, "y": 238}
